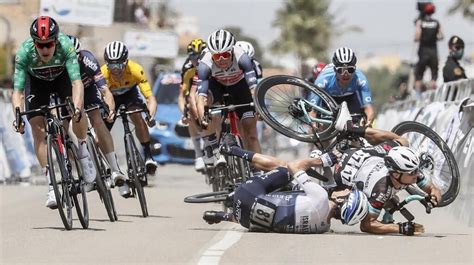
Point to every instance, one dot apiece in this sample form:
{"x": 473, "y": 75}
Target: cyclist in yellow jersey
{"x": 124, "y": 78}
{"x": 187, "y": 98}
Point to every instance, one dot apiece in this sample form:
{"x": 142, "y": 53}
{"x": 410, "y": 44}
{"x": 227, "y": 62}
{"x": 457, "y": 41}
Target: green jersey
{"x": 27, "y": 61}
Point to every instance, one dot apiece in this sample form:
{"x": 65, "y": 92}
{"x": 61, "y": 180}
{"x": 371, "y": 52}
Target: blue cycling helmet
{"x": 355, "y": 208}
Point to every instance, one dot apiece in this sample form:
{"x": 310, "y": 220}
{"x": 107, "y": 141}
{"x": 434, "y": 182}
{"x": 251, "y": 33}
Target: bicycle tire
{"x": 450, "y": 193}
{"x": 216, "y": 196}
{"x": 137, "y": 168}
{"x": 102, "y": 188}
{"x": 305, "y": 133}
{"x": 61, "y": 189}
{"x": 109, "y": 192}
{"x": 77, "y": 188}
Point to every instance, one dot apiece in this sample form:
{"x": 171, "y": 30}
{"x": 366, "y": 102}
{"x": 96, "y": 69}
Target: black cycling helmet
{"x": 44, "y": 28}
{"x": 344, "y": 57}
{"x": 196, "y": 46}
{"x": 116, "y": 53}
{"x": 456, "y": 41}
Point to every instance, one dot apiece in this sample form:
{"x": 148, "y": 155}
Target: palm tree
{"x": 466, "y": 7}
{"x": 305, "y": 28}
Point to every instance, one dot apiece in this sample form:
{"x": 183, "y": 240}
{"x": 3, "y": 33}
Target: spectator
{"x": 428, "y": 32}
{"x": 452, "y": 69}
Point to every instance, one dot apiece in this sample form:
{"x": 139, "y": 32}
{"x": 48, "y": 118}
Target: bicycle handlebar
{"x": 424, "y": 200}
{"x": 216, "y": 110}
{"x": 150, "y": 121}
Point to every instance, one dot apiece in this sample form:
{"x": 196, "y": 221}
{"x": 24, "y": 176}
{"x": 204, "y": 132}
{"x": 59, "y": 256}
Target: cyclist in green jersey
{"x": 46, "y": 63}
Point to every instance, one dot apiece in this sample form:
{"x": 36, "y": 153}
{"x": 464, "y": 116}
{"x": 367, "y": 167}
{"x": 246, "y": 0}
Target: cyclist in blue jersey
{"x": 95, "y": 87}
{"x": 344, "y": 82}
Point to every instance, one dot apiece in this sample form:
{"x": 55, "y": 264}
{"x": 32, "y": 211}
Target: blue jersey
{"x": 358, "y": 95}
{"x": 259, "y": 207}
{"x": 91, "y": 75}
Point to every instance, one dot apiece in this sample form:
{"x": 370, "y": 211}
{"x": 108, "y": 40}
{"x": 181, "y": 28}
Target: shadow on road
{"x": 137, "y": 215}
{"x": 63, "y": 229}
{"x": 107, "y": 220}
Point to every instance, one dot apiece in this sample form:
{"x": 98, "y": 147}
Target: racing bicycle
{"x": 64, "y": 170}
{"x": 135, "y": 163}
{"x": 302, "y": 111}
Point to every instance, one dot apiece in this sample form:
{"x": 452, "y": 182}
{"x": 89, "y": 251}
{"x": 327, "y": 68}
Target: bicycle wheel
{"x": 59, "y": 180}
{"x": 102, "y": 187}
{"x": 439, "y": 164}
{"x": 282, "y": 102}
{"x": 217, "y": 196}
{"x": 138, "y": 171}
{"x": 78, "y": 191}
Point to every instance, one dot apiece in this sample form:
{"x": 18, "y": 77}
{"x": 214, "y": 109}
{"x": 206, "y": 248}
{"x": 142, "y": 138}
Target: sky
{"x": 388, "y": 25}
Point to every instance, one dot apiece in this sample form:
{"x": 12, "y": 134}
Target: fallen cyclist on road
{"x": 379, "y": 171}
{"x": 259, "y": 206}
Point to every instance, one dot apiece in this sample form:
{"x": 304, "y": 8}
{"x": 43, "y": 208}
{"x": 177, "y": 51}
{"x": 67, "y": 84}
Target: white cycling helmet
{"x": 355, "y": 208}
{"x": 247, "y": 47}
{"x": 116, "y": 52}
{"x": 220, "y": 41}
{"x": 402, "y": 159}
{"x": 75, "y": 42}
{"x": 344, "y": 56}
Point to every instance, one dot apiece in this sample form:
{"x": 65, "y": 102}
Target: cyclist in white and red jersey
{"x": 225, "y": 68}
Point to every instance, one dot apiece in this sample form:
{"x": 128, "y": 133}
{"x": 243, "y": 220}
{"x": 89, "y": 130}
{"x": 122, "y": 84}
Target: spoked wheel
{"x": 138, "y": 168}
{"x": 217, "y": 196}
{"x": 285, "y": 103}
{"x": 57, "y": 174}
{"x": 78, "y": 191}
{"x": 437, "y": 160}
{"x": 102, "y": 173}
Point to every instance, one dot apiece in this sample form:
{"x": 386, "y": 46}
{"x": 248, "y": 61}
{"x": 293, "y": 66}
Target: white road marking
{"x": 213, "y": 254}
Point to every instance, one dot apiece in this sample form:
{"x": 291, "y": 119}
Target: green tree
{"x": 307, "y": 29}
{"x": 465, "y": 7}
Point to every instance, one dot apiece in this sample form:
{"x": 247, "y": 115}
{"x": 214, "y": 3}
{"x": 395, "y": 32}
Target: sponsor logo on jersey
{"x": 89, "y": 63}
{"x": 305, "y": 224}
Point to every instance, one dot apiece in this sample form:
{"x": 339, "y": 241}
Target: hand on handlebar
{"x": 410, "y": 228}
{"x": 110, "y": 117}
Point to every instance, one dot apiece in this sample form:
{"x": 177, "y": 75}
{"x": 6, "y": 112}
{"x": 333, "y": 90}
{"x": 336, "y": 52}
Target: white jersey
{"x": 293, "y": 212}
{"x": 229, "y": 76}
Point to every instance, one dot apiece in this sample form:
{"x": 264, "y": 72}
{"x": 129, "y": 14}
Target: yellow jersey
{"x": 133, "y": 76}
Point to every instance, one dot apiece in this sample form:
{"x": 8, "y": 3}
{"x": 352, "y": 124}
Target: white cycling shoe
{"x": 151, "y": 166}
{"x": 124, "y": 190}
{"x": 343, "y": 117}
{"x": 199, "y": 164}
{"x": 88, "y": 169}
{"x": 51, "y": 201}
{"x": 118, "y": 178}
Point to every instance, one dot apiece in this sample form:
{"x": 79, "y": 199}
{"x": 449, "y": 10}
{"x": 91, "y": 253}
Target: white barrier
{"x": 449, "y": 111}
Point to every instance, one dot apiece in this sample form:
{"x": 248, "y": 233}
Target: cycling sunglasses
{"x": 221, "y": 56}
{"x": 47, "y": 45}
{"x": 342, "y": 69}
{"x": 113, "y": 66}
{"x": 414, "y": 172}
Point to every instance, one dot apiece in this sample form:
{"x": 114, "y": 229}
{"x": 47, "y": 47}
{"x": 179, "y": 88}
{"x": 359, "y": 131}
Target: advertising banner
{"x": 84, "y": 12}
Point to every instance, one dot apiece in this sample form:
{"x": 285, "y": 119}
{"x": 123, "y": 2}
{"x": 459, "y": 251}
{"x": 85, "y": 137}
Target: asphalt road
{"x": 174, "y": 233}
